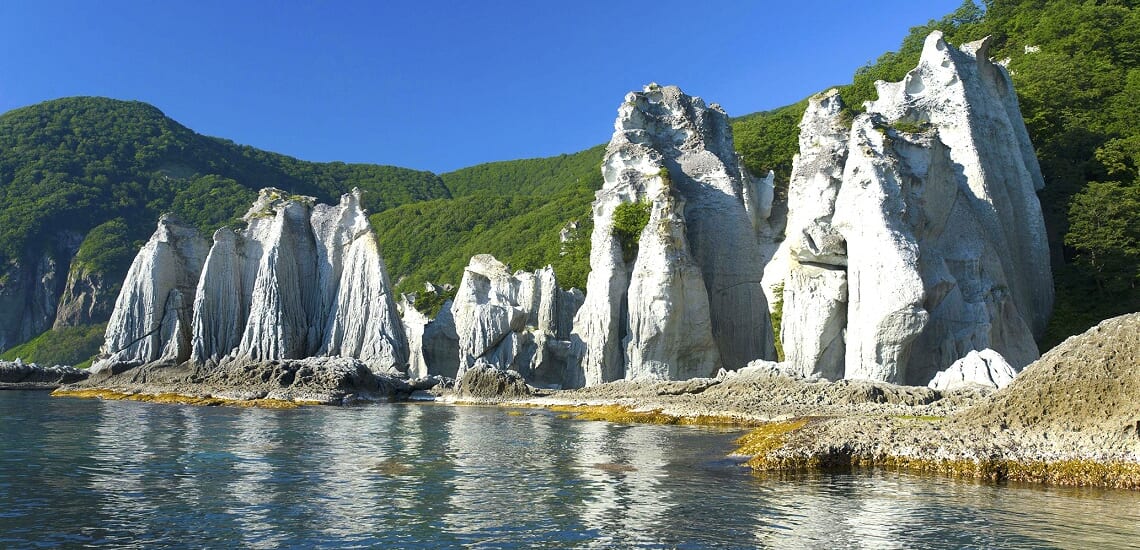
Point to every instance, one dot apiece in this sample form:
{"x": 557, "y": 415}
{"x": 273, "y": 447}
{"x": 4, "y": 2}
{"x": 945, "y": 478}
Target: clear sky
{"x": 435, "y": 85}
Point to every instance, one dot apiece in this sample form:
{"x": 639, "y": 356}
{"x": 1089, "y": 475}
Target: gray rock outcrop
{"x": 19, "y": 375}
{"x": 915, "y": 237}
{"x": 30, "y": 289}
{"x": 519, "y": 322}
{"x": 151, "y": 320}
{"x": 300, "y": 281}
{"x": 985, "y": 369}
{"x": 433, "y": 344}
{"x": 685, "y": 299}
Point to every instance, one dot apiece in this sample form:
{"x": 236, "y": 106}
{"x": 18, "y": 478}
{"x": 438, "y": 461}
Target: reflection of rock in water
{"x": 623, "y": 467}
{"x": 391, "y": 467}
{"x": 487, "y": 454}
{"x": 253, "y": 491}
{"x": 613, "y": 467}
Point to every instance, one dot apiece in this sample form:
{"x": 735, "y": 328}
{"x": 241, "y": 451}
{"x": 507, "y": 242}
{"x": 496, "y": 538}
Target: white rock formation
{"x": 814, "y": 254}
{"x": 986, "y": 369}
{"x": 686, "y": 299}
{"x": 518, "y": 322}
{"x": 433, "y": 344}
{"x": 299, "y": 281}
{"x": 915, "y": 238}
{"x": 151, "y": 320}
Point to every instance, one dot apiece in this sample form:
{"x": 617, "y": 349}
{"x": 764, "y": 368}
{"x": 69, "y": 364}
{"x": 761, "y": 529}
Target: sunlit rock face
{"x": 978, "y": 369}
{"x": 299, "y": 281}
{"x": 519, "y": 322}
{"x": 915, "y": 237}
{"x": 152, "y": 315}
{"x": 686, "y": 299}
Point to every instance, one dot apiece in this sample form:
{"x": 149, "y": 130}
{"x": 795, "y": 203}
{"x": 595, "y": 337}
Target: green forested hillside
{"x": 514, "y": 210}
{"x": 75, "y": 163}
{"x": 104, "y": 170}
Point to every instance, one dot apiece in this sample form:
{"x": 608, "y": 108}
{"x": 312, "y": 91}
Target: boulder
{"x": 681, "y": 296}
{"x": 986, "y": 369}
{"x": 486, "y": 382}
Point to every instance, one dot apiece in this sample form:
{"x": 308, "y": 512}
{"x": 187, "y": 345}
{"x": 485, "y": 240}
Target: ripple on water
{"x": 129, "y": 474}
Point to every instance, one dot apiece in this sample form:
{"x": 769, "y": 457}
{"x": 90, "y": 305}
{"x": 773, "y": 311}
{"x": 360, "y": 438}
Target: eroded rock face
{"x": 152, "y": 314}
{"x": 519, "y": 322}
{"x": 30, "y": 289}
{"x": 916, "y": 237}
{"x": 433, "y": 344}
{"x": 299, "y": 281}
{"x": 686, "y": 299}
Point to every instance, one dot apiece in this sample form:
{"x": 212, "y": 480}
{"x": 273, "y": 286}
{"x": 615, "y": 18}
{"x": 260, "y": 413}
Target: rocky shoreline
{"x": 17, "y": 375}
{"x": 1044, "y": 427}
{"x": 1071, "y": 418}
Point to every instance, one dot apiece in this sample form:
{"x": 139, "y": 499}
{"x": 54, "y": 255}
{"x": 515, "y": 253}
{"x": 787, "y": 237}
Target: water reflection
{"x": 123, "y": 474}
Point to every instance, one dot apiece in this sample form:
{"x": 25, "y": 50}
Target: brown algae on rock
{"x": 621, "y": 414}
{"x": 175, "y": 398}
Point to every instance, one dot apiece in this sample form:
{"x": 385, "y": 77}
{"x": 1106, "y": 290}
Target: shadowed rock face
{"x": 916, "y": 237}
{"x": 433, "y": 344}
{"x": 31, "y": 288}
{"x": 689, "y": 300}
{"x": 299, "y": 281}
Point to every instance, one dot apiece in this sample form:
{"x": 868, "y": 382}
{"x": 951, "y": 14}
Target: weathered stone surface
{"x": 19, "y": 375}
{"x": 518, "y": 322}
{"x": 152, "y": 312}
{"x": 986, "y": 369}
{"x": 812, "y": 259}
{"x": 299, "y": 281}
{"x": 483, "y": 381}
{"x": 30, "y": 289}
{"x": 690, "y": 300}
{"x": 325, "y": 380}
{"x": 915, "y": 238}
{"x": 433, "y": 344}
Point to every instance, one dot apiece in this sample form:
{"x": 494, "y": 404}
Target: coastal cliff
{"x": 675, "y": 265}
{"x": 300, "y": 281}
{"x": 915, "y": 236}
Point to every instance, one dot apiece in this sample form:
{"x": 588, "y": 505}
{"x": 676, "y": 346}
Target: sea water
{"x": 82, "y": 472}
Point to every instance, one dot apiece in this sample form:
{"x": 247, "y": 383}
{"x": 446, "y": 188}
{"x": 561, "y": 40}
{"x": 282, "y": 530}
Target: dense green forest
{"x": 514, "y": 210}
{"x": 87, "y": 163}
{"x": 104, "y": 170}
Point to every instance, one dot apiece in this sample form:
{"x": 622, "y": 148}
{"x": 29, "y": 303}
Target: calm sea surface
{"x": 77, "y": 472}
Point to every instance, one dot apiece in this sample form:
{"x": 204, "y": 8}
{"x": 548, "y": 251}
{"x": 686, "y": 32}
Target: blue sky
{"x": 435, "y": 85}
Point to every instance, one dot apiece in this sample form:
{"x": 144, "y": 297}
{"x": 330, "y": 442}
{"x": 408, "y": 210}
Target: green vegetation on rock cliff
{"x": 74, "y": 346}
{"x": 70, "y": 166}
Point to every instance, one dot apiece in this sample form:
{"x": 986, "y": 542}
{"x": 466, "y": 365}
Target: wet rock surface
{"x": 30, "y": 376}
